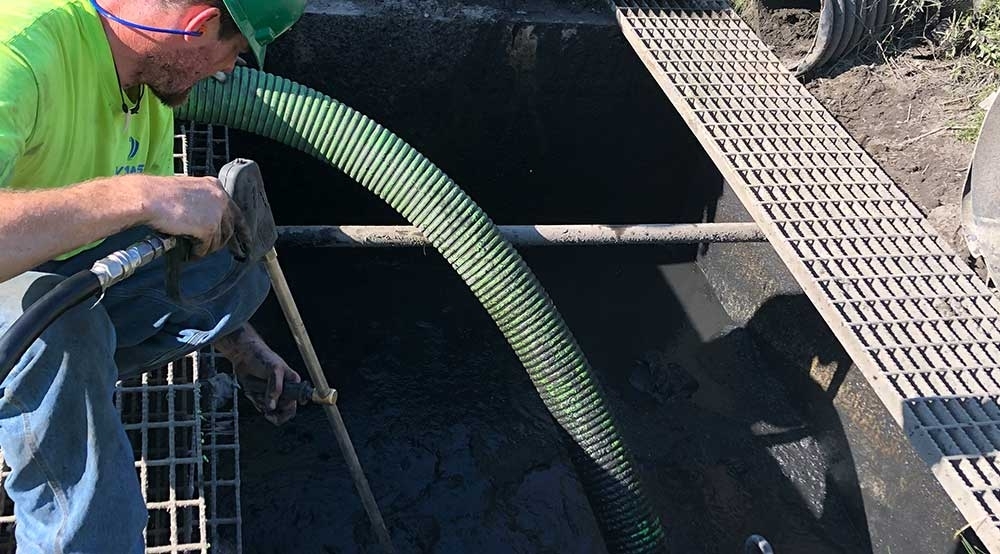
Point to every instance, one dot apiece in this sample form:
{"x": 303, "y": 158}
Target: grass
{"x": 976, "y": 34}
{"x": 974, "y": 77}
{"x": 969, "y": 130}
{"x": 913, "y": 11}
{"x": 969, "y": 548}
{"x": 972, "y": 40}
{"x": 739, "y": 5}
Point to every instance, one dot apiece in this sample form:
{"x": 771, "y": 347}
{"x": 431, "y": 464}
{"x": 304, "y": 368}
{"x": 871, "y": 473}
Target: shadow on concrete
{"x": 870, "y": 459}
{"x": 725, "y": 450}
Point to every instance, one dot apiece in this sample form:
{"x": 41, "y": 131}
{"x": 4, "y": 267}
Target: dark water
{"x": 462, "y": 455}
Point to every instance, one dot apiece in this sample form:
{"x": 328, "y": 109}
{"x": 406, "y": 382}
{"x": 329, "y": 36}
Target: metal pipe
{"x": 371, "y": 236}
{"x": 298, "y": 328}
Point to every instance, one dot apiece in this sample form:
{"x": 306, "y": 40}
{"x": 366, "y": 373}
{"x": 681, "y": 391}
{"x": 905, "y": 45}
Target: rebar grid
{"x": 204, "y": 149}
{"x": 200, "y": 149}
{"x": 162, "y": 425}
{"x": 920, "y": 325}
{"x": 161, "y": 414}
{"x": 221, "y": 448}
{"x": 7, "y": 544}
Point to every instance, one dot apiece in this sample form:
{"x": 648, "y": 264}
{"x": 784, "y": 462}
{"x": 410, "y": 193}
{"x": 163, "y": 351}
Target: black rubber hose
{"x": 314, "y": 123}
{"x": 37, "y": 317}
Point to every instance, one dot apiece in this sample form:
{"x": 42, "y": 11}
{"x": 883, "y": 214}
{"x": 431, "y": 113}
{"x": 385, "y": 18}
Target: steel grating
{"x": 182, "y": 423}
{"x": 921, "y": 326}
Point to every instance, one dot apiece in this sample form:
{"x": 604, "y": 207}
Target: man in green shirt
{"x": 86, "y": 167}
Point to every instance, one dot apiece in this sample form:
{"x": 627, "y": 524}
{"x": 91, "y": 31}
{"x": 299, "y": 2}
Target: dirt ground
{"x": 915, "y": 112}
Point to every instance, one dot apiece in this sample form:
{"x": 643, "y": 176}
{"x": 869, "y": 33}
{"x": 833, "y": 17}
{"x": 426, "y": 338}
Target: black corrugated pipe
{"x": 314, "y": 123}
{"x": 845, "y": 25}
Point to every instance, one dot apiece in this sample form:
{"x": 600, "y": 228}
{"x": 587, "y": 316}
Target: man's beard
{"x": 165, "y": 79}
{"x": 171, "y": 99}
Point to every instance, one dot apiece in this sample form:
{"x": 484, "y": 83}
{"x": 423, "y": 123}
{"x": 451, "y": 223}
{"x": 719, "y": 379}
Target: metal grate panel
{"x": 203, "y": 150}
{"x": 7, "y": 544}
{"x": 920, "y": 325}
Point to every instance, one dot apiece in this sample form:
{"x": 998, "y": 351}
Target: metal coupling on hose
{"x": 122, "y": 264}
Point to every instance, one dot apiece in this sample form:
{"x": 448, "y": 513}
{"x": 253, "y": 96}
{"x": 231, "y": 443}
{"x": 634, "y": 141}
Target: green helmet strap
{"x": 263, "y": 21}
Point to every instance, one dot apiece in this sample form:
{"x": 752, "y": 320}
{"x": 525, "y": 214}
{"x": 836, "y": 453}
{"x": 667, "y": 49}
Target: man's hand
{"x": 38, "y": 225}
{"x": 269, "y": 366}
{"x": 251, "y": 357}
{"x": 195, "y": 207}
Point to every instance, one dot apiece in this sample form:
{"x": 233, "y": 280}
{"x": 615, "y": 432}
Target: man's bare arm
{"x": 36, "y": 226}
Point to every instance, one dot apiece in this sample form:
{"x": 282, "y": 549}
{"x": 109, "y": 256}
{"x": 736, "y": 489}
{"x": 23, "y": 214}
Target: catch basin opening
{"x": 725, "y": 382}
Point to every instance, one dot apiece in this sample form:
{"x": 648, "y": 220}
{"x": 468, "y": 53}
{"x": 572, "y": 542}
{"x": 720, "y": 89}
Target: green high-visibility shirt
{"x": 61, "y": 118}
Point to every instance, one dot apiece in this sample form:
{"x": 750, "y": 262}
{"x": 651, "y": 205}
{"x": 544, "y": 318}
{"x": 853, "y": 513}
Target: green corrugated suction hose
{"x": 310, "y": 121}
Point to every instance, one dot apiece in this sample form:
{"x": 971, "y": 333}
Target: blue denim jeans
{"x": 73, "y": 483}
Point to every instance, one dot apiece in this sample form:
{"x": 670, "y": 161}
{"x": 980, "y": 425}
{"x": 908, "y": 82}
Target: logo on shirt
{"x": 133, "y": 151}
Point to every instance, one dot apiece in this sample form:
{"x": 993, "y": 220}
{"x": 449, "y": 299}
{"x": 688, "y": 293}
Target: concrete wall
{"x": 542, "y": 117}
